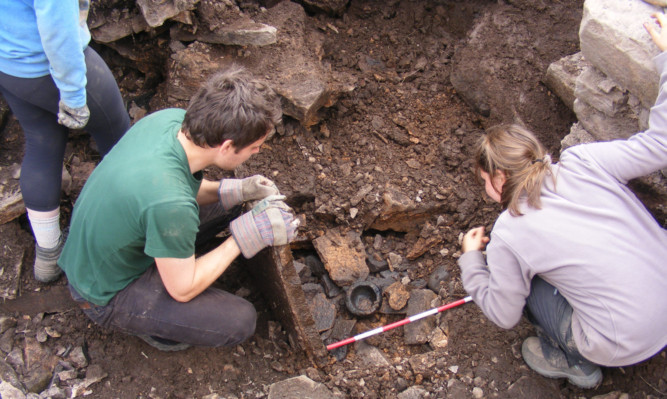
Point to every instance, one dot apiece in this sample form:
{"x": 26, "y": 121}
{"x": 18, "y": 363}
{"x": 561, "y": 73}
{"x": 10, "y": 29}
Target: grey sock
{"x": 46, "y": 267}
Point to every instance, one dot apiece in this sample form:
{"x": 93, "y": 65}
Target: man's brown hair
{"x": 231, "y": 105}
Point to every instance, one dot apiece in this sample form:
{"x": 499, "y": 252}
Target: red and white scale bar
{"x": 399, "y": 323}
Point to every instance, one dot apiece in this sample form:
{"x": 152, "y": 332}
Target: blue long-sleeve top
{"x": 41, "y": 37}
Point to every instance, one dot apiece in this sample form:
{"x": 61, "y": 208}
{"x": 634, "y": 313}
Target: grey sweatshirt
{"x": 594, "y": 241}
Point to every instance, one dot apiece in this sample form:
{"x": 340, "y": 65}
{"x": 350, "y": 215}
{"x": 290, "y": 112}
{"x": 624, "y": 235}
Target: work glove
{"x": 236, "y": 191}
{"x": 73, "y": 118}
{"x": 269, "y": 223}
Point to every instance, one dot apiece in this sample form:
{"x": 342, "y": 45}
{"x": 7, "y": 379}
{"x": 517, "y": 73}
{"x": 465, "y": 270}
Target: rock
{"x": 396, "y": 263}
{"x": 414, "y": 392}
{"x": 330, "y": 288}
{"x": 300, "y": 387}
{"x": 323, "y": 311}
{"x": 332, "y": 7}
{"x": 156, "y": 12}
{"x": 294, "y": 66}
{"x": 400, "y": 213}
{"x": 437, "y": 277}
{"x": 115, "y": 24}
{"x": 612, "y": 395}
{"x": 54, "y": 393}
{"x": 370, "y": 355}
{"x": 613, "y": 39}
{"x": 15, "y": 358}
{"x": 9, "y": 391}
{"x": 424, "y": 244}
{"x": 438, "y": 339}
{"x": 7, "y": 340}
{"x": 190, "y": 67}
{"x": 603, "y": 127}
{"x": 419, "y": 331}
{"x": 38, "y": 356}
{"x": 6, "y": 322}
{"x": 78, "y": 357}
{"x": 531, "y": 387}
{"x": 11, "y": 200}
{"x": 343, "y": 256}
{"x": 561, "y": 77}
{"x": 457, "y": 389}
{"x": 375, "y": 262}
{"x": 315, "y": 264}
{"x": 356, "y": 198}
{"x": 37, "y": 379}
{"x": 220, "y": 22}
{"x": 243, "y": 33}
{"x": 342, "y": 329}
{"x": 397, "y": 295}
{"x": 577, "y": 135}
{"x": 600, "y": 92}
{"x": 13, "y": 256}
{"x": 291, "y": 66}
{"x": 424, "y": 364}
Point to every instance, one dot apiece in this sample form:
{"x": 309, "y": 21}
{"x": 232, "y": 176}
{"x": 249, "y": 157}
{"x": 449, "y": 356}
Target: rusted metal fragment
{"x": 343, "y": 256}
{"x": 56, "y": 299}
{"x": 273, "y": 269}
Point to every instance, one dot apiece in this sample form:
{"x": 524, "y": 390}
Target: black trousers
{"x": 34, "y": 102}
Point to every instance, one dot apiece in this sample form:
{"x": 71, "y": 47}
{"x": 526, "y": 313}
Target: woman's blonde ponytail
{"x": 518, "y": 153}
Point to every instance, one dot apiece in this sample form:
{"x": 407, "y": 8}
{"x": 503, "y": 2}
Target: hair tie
{"x": 546, "y": 159}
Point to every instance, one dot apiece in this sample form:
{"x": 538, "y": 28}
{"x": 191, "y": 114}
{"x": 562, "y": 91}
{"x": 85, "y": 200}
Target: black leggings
{"x": 34, "y": 103}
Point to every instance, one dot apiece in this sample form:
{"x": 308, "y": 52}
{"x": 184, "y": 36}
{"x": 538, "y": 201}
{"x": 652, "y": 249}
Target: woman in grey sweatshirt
{"x": 574, "y": 246}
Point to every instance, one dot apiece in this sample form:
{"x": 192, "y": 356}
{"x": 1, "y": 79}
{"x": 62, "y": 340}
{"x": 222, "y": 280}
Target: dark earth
{"x": 403, "y": 126}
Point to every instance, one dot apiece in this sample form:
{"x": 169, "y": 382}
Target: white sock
{"x": 45, "y": 227}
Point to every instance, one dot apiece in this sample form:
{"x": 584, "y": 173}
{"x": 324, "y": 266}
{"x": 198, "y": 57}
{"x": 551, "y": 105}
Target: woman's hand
{"x": 474, "y": 240}
{"x": 659, "y": 38}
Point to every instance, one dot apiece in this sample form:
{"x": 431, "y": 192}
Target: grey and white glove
{"x": 270, "y": 223}
{"x": 73, "y": 118}
{"x": 236, "y": 191}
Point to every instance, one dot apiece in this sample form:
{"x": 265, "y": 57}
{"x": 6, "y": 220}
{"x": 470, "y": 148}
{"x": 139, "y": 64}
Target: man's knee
{"x": 243, "y": 325}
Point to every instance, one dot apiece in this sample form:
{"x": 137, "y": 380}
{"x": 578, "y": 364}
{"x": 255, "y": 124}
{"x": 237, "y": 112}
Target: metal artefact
{"x": 398, "y": 323}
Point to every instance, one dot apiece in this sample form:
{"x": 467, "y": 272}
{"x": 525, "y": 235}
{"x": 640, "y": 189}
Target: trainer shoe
{"x": 46, "y": 267}
{"x": 531, "y": 350}
{"x": 163, "y": 344}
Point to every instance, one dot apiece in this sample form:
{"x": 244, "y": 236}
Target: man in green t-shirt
{"x": 130, "y": 254}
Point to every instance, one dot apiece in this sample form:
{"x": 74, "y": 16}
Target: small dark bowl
{"x": 363, "y": 298}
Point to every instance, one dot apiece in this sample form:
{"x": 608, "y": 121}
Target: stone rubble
{"x": 612, "y": 83}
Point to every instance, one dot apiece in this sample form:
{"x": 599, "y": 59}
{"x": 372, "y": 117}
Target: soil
{"x": 403, "y": 126}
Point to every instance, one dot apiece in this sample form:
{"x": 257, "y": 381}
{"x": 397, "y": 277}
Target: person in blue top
{"x": 53, "y": 81}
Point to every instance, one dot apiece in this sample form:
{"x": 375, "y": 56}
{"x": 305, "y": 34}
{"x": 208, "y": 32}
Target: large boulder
{"x": 613, "y": 39}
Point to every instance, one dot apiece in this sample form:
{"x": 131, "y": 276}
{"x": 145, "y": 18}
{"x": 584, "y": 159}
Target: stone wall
{"x": 612, "y": 83}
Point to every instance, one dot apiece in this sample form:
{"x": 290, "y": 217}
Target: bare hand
{"x": 474, "y": 240}
{"x": 659, "y": 38}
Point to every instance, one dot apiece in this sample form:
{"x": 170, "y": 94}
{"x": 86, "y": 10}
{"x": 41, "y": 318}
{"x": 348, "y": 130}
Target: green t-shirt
{"x": 138, "y": 204}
